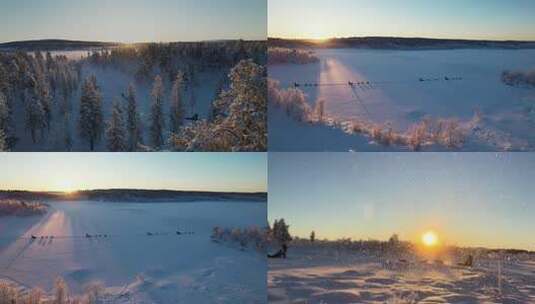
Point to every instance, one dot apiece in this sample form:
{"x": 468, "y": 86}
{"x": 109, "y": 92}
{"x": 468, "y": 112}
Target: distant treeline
{"x": 54, "y": 45}
{"x": 134, "y": 195}
{"x": 399, "y": 43}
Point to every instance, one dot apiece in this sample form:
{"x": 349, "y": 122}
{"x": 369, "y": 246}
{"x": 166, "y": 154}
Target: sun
{"x": 430, "y": 238}
{"x": 66, "y": 186}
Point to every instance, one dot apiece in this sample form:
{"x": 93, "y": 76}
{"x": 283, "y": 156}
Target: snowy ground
{"x": 136, "y": 267}
{"x": 326, "y": 275}
{"x": 396, "y": 94}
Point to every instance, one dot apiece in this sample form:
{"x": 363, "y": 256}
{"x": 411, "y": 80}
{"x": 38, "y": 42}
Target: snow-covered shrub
{"x": 446, "y": 132}
{"x": 319, "y": 109}
{"x": 21, "y": 208}
{"x": 295, "y": 104}
{"x": 519, "y": 78}
{"x": 61, "y": 292}
{"x": 417, "y": 134}
{"x": 278, "y": 55}
{"x": 449, "y": 133}
{"x": 11, "y": 294}
{"x": 93, "y": 293}
{"x": 204, "y": 136}
{"x": 292, "y": 100}
{"x": 246, "y": 237}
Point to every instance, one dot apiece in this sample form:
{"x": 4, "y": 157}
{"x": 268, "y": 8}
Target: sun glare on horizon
{"x": 430, "y": 238}
{"x": 66, "y": 187}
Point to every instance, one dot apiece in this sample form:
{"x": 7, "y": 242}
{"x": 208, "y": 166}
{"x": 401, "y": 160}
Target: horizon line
{"x": 125, "y": 42}
{"x": 139, "y": 189}
{"x": 402, "y": 37}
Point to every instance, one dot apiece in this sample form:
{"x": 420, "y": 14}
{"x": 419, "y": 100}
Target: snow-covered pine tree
{"x": 157, "y": 123}
{"x": 42, "y": 88}
{"x": 133, "y": 121}
{"x": 193, "y": 101}
{"x": 45, "y": 98}
{"x": 177, "y": 113}
{"x": 4, "y": 122}
{"x": 66, "y": 92}
{"x": 35, "y": 114}
{"x": 90, "y": 123}
{"x": 214, "y": 111}
{"x": 67, "y": 135}
{"x": 115, "y": 132}
{"x": 3, "y": 142}
{"x": 281, "y": 231}
{"x": 4, "y": 113}
{"x": 4, "y": 80}
{"x": 247, "y": 112}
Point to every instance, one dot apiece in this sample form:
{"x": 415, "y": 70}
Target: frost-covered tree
{"x": 133, "y": 121}
{"x": 4, "y": 113}
{"x": 247, "y": 112}
{"x": 67, "y": 135}
{"x": 3, "y": 142}
{"x": 240, "y": 124}
{"x": 90, "y": 124}
{"x": 42, "y": 88}
{"x": 35, "y": 115}
{"x": 177, "y": 113}
{"x": 115, "y": 132}
{"x": 214, "y": 111}
{"x": 192, "y": 101}
{"x": 312, "y": 236}
{"x": 157, "y": 123}
{"x": 281, "y": 231}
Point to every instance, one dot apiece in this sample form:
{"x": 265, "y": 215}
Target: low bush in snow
{"x": 278, "y": 55}
{"x": 246, "y": 237}
{"x": 21, "y": 208}
{"x": 519, "y": 78}
{"x": 12, "y": 294}
{"x": 293, "y": 101}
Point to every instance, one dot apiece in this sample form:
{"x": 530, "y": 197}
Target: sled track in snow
{"x": 366, "y": 85}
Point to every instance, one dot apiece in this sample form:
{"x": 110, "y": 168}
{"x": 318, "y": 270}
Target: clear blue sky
{"x": 133, "y": 20}
{"x": 474, "y": 199}
{"x": 243, "y": 172}
{"x": 472, "y": 19}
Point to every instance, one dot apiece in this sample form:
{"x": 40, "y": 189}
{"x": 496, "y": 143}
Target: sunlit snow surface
{"x": 331, "y": 275}
{"x": 138, "y": 268}
{"x": 395, "y": 93}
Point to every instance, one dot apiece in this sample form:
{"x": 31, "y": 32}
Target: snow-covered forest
{"x": 206, "y": 96}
